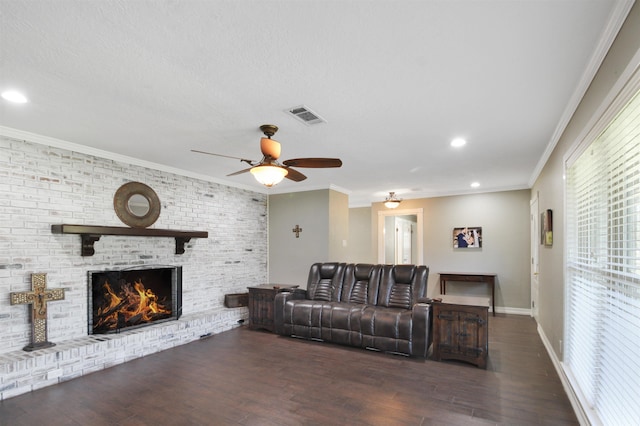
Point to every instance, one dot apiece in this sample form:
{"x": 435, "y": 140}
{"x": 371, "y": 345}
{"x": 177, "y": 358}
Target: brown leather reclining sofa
{"x": 381, "y": 307}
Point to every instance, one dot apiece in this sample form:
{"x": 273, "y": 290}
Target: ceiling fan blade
{"x": 240, "y": 172}
{"x": 271, "y": 152}
{"x": 318, "y": 163}
{"x": 225, "y": 156}
{"x": 294, "y": 175}
{"x": 270, "y": 148}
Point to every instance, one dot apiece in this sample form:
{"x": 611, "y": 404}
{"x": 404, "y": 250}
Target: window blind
{"x": 602, "y": 322}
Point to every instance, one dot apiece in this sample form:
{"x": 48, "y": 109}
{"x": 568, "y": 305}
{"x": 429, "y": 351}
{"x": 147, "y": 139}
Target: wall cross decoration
{"x": 297, "y": 231}
{"x": 38, "y": 298}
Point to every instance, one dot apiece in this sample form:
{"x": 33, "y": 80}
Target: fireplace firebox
{"x": 131, "y": 298}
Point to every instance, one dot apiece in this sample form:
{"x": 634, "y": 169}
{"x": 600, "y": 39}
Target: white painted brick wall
{"x": 41, "y": 186}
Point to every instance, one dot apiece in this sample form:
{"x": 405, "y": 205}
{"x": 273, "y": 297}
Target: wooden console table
{"x": 466, "y": 277}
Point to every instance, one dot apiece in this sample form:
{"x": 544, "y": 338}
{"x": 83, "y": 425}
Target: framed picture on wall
{"x": 467, "y": 237}
{"x": 546, "y": 235}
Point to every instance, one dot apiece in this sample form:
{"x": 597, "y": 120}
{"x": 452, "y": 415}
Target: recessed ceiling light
{"x": 14, "y": 96}
{"x": 458, "y": 142}
{"x": 475, "y": 184}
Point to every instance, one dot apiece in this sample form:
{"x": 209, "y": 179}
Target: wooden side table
{"x": 261, "y": 305}
{"x": 461, "y": 329}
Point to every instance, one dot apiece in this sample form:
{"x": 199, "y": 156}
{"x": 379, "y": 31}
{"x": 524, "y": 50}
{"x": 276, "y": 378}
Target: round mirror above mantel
{"x": 137, "y": 205}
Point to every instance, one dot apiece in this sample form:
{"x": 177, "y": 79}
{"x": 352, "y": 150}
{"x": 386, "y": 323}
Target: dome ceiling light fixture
{"x": 391, "y": 202}
{"x": 268, "y": 174}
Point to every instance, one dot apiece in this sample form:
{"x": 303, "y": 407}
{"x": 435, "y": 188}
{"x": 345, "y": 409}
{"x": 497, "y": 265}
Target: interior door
{"x": 412, "y": 237}
{"x": 535, "y": 249}
{"x": 404, "y": 241}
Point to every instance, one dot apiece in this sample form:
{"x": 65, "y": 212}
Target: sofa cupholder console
{"x": 381, "y": 307}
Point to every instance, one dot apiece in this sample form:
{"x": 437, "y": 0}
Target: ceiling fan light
{"x": 392, "y": 201}
{"x": 269, "y": 175}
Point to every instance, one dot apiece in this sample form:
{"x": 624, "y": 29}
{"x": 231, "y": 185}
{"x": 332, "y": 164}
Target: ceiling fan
{"x": 268, "y": 171}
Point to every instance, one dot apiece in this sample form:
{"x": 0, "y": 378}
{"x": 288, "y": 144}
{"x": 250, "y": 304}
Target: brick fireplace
{"x": 132, "y": 298}
{"x": 50, "y": 182}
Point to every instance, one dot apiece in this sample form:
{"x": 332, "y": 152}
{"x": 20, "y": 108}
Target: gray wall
{"x": 359, "y": 248}
{"x": 504, "y": 218}
{"x": 338, "y": 225}
{"x": 549, "y": 185}
{"x": 324, "y": 217}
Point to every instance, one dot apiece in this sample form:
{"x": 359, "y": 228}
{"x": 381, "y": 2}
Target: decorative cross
{"x": 38, "y": 298}
{"x": 297, "y": 230}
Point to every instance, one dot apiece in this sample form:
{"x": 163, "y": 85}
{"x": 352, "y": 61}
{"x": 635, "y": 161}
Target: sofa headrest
{"x": 363, "y": 271}
{"x": 328, "y": 270}
{"x": 404, "y": 273}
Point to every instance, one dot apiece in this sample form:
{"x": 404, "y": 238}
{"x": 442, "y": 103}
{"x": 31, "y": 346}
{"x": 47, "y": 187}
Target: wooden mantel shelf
{"x": 92, "y": 233}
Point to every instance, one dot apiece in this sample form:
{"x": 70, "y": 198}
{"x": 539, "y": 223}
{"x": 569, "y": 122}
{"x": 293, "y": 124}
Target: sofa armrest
{"x": 421, "y": 330}
{"x": 280, "y": 301}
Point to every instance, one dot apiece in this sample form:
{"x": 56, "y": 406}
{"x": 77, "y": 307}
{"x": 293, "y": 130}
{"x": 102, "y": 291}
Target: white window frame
{"x": 628, "y": 85}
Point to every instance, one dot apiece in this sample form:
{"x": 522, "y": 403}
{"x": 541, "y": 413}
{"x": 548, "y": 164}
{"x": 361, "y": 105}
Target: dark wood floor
{"x": 257, "y": 378}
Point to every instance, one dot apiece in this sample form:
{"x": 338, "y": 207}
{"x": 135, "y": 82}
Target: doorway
{"x": 400, "y": 237}
{"x": 535, "y": 253}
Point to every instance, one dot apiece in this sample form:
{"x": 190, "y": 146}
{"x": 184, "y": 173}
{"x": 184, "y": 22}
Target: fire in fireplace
{"x": 133, "y": 298}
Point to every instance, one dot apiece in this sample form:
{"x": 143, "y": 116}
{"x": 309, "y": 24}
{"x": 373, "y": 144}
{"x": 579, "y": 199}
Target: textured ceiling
{"x": 395, "y": 80}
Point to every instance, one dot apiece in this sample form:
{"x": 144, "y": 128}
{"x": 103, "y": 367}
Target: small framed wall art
{"x": 467, "y": 237}
{"x": 546, "y": 228}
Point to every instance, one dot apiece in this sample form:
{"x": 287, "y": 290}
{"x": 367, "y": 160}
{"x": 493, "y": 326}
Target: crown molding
{"x": 23, "y": 136}
{"x": 616, "y": 20}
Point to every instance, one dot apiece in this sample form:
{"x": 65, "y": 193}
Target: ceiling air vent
{"x": 305, "y": 115}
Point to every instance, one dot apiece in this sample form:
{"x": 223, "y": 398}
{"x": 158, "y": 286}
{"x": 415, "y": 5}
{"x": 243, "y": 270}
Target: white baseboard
{"x": 573, "y": 398}
{"x": 513, "y": 311}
